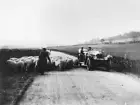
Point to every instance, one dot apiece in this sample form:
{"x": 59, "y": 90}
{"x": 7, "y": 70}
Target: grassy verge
{"x": 11, "y": 84}
{"x": 14, "y": 87}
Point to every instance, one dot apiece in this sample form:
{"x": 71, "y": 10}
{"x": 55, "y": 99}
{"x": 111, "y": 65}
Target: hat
{"x": 44, "y": 49}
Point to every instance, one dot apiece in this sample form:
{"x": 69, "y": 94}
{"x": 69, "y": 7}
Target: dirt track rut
{"x": 82, "y": 87}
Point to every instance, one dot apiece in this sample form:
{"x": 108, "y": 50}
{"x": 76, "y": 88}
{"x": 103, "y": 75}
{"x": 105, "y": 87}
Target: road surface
{"x": 82, "y": 87}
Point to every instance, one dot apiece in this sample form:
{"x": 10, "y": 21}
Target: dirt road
{"x": 82, "y": 87}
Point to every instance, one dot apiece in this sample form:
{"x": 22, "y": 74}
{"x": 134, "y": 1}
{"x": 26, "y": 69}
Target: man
{"x": 81, "y": 54}
{"x": 82, "y": 50}
{"x": 89, "y": 48}
{"x": 42, "y": 63}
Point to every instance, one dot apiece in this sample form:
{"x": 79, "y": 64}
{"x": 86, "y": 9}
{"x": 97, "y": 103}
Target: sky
{"x": 65, "y": 22}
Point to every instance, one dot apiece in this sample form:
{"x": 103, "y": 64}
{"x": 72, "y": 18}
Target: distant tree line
{"x": 131, "y": 37}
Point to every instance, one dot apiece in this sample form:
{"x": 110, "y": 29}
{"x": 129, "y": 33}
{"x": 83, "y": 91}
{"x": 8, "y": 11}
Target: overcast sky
{"x": 47, "y": 22}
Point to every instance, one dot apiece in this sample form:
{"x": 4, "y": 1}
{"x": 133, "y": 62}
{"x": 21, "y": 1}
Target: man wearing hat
{"x": 42, "y": 63}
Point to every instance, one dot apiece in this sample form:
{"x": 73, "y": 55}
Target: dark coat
{"x": 42, "y": 63}
{"x": 82, "y": 51}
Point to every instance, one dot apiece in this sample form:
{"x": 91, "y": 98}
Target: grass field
{"x": 131, "y": 50}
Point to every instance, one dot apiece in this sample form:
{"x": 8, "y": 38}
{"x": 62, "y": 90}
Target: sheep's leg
{"x": 27, "y": 70}
{"x": 19, "y": 68}
{"x": 16, "y": 69}
{"x": 26, "y": 67}
{"x": 34, "y": 68}
{"x": 22, "y": 69}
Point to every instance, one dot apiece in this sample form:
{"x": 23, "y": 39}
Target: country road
{"x": 82, "y": 87}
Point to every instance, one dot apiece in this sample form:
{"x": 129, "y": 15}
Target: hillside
{"x": 126, "y": 37}
{"x": 132, "y": 35}
{"x": 93, "y": 41}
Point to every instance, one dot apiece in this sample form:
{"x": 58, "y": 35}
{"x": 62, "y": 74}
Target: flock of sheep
{"x": 23, "y": 64}
{"x": 29, "y": 63}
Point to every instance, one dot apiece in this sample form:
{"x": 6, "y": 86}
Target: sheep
{"x": 49, "y": 52}
{"x": 21, "y": 65}
{"x": 24, "y": 57}
{"x": 56, "y": 60}
{"x": 75, "y": 62}
{"x": 17, "y": 65}
{"x": 29, "y": 62}
{"x": 24, "y": 64}
{"x": 35, "y": 65}
{"x": 108, "y": 57}
{"x": 69, "y": 64}
{"x": 14, "y": 59}
{"x": 53, "y": 65}
{"x": 29, "y": 65}
{"x": 12, "y": 65}
{"x": 35, "y": 59}
{"x": 30, "y": 57}
{"x": 62, "y": 65}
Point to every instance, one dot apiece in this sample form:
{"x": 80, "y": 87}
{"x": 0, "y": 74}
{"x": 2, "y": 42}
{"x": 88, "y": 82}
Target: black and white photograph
{"x": 69, "y": 52}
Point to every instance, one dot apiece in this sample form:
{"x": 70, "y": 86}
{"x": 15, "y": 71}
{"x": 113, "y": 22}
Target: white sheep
{"x": 49, "y": 51}
{"x": 13, "y": 65}
{"x": 26, "y": 63}
{"x": 108, "y": 57}
{"x": 29, "y": 64}
{"x": 14, "y": 59}
{"x": 21, "y": 65}
{"x": 17, "y": 65}
{"x": 36, "y": 66}
{"x": 30, "y": 57}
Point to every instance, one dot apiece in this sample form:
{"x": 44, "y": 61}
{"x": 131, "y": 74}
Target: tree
{"x": 134, "y": 36}
{"x": 110, "y": 40}
{"x": 102, "y": 40}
